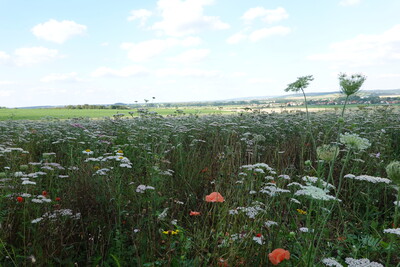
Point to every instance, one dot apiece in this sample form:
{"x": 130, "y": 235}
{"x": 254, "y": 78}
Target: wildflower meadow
{"x": 291, "y": 189}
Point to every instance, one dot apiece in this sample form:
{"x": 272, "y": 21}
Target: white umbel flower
{"x": 331, "y": 262}
{"x": 362, "y": 263}
{"x": 395, "y": 231}
{"x": 354, "y": 141}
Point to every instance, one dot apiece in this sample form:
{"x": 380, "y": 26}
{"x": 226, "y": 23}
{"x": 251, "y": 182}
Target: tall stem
{"x": 344, "y": 107}
{"x": 308, "y": 120}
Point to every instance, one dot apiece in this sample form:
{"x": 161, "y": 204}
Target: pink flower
{"x": 194, "y": 213}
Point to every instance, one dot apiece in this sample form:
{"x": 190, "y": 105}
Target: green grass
{"x": 37, "y": 114}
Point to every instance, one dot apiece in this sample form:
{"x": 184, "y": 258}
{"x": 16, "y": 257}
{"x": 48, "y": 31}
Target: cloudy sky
{"x": 98, "y": 51}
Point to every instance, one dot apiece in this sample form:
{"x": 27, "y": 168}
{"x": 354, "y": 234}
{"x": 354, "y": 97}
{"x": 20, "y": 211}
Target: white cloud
{"x": 236, "y": 38}
{"x": 32, "y": 55}
{"x": 186, "y": 17}
{"x": 4, "y": 93}
{"x": 239, "y": 74}
{"x": 140, "y": 14}
{"x": 389, "y": 75}
{"x": 267, "y": 15}
{"x": 364, "y": 50}
{"x": 6, "y": 82}
{"x": 131, "y": 71}
{"x": 58, "y": 31}
{"x": 4, "y": 57}
{"x": 66, "y": 77}
{"x": 189, "y": 72}
{"x": 349, "y": 2}
{"x": 192, "y": 55}
{"x": 145, "y": 50}
{"x": 267, "y": 32}
{"x": 259, "y": 80}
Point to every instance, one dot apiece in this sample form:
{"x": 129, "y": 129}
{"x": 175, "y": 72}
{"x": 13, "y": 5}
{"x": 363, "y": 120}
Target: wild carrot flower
{"x": 194, "y": 213}
{"x": 20, "y": 199}
{"x": 393, "y": 171}
{"x": 354, "y": 141}
{"x": 215, "y": 197}
{"x": 278, "y": 255}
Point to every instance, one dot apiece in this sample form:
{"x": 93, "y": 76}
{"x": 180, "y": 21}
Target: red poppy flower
{"x": 278, "y": 255}
{"x": 194, "y": 213}
{"x": 20, "y": 199}
{"x": 258, "y": 235}
{"x": 44, "y": 193}
{"x": 58, "y": 199}
{"x": 215, "y": 197}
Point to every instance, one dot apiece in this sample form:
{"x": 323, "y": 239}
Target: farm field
{"x": 212, "y": 190}
{"x": 61, "y": 113}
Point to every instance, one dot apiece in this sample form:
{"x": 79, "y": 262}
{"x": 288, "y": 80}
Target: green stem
{"x": 395, "y": 225}
{"x": 308, "y": 120}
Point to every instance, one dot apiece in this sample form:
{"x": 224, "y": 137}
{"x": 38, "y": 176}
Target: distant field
{"x": 37, "y": 114}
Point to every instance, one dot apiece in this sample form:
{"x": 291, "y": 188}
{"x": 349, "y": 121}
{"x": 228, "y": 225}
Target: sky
{"x": 104, "y": 52}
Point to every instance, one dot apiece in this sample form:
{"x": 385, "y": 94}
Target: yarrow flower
{"x": 278, "y": 255}
{"x": 354, "y": 141}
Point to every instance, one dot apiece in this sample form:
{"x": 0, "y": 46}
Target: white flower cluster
{"x": 258, "y": 166}
{"x": 142, "y": 188}
{"x": 362, "y": 263}
{"x": 315, "y": 193}
{"x": 284, "y": 176}
{"x": 368, "y": 178}
{"x": 259, "y": 240}
{"x": 354, "y": 141}
{"x": 310, "y": 180}
{"x": 331, "y": 262}
{"x": 58, "y": 213}
{"x": 41, "y": 199}
{"x": 270, "y": 223}
{"x": 395, "y": 231}
{"x": 272, "y": 190}
{"x": 306, "y": 230}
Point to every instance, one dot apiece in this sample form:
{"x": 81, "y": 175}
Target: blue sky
{"x": 98, "y": 52}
